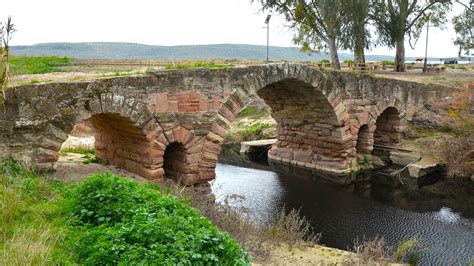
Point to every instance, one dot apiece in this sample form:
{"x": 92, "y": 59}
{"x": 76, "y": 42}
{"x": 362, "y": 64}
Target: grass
{"x": 252, "y": 111}
{"x": 198, "y": 64}
{"x": 38, "y": 65}
{"x": 377, "y": 250}
{"x": 254, "y": 131}
{"x": 105, "y": 219}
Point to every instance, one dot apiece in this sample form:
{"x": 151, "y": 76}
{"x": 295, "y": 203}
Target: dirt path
{"x": 70, "y": 168}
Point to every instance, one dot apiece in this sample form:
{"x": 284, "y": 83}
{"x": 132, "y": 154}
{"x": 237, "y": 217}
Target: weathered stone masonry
{"x": 174, "y": 122}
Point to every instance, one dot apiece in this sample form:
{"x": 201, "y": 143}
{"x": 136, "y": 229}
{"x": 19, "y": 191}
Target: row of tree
{"x": 349, "y": 24}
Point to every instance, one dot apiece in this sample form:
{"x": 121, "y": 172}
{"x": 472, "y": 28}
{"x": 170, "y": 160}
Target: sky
{"x": 172, "y": 22}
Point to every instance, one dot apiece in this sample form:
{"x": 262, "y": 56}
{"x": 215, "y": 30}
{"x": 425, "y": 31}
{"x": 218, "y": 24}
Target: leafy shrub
{"x": 254, "y": 131}
{"x": 251, "y": 111}
{"x": 120, "y": 222}
{"x": 325, "y": 61}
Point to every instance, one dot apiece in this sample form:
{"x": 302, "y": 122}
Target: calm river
{"x": 445, "y": 237}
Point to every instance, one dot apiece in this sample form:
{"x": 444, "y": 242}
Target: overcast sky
{"x": 172, "y": 22}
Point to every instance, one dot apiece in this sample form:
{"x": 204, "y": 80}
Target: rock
{"x": 256, "y": 146}
{"x": 422, "y": 168}
{"x": 403, "y": 158}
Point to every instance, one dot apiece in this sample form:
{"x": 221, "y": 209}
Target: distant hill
{"x": 109, "y": 50}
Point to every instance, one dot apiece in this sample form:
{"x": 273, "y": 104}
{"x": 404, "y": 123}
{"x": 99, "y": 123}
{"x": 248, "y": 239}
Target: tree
{"x": 317, "y": 23}
{"x": 355, "y": 35}
{"x": 464, "y": 27}
{"x": 6, "y": 32}
{"x": 395, "y": 19}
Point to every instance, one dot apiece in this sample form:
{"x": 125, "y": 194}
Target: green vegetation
{"x": 38, "y": 65}
{"x": 197, "y": 64}
{"x": 252, "y": 111}
{"x": 88, "y": 155}
{"x": 388, "y": 63}
{"x": 105, "y": 219}
{"x": 254, "y": 131}
{"x": 377, "y": 250}
{"x": 6, "y": 32}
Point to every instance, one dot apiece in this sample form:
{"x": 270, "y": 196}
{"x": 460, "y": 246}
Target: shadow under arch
{"x": 309, "y": 131}
{"x": 119, "y": 142}
{"x": 389, "y": 127}
{"x": 175, "y": 163}
{"x": 365, "y": 140}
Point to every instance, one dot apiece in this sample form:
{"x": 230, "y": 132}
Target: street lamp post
{"x": 267, "y": 21}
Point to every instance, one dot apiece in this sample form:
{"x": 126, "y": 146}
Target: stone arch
{"x": 125, "y": 132}
{"x": 313, "y": 125}
{"x": 181, "y": 153}
{"x": 390, "y": 125}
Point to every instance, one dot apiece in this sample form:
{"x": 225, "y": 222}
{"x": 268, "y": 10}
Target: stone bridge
{"x": 173, "y": 122}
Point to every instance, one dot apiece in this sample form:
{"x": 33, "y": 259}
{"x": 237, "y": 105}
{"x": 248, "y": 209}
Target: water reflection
{"x": 445, "y": 237}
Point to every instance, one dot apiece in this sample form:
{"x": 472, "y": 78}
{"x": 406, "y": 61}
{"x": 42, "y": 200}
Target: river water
{"x": 445, "y": 237}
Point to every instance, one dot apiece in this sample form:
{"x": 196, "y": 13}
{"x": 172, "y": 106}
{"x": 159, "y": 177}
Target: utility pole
{"x": 425, "y": 65}
{"x": 267, "y": 21}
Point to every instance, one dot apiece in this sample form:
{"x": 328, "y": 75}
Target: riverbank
{"x": 104, "y": 219}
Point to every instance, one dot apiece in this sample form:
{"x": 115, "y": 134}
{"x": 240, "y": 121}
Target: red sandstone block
{"x": 211, "y": 136}
{"x": 206, "y": 176}
{"x": 189, "y": 96}
{"x": 209, "y": 156}
{"x": 218, "y": 129}
{"x": 181, "y": 134}
{"x": 161, "y": 102}
{"x": 193, "y": 142}
{"x": 226, "y": 113}
{"x": 173, "y": 106}
{"x": 212, "y": 147}
{"x": 152, "y": 153}
{"x": 204, "y": 105}
{"x": 193, "y": 158}
{"x": 188, "y": 106}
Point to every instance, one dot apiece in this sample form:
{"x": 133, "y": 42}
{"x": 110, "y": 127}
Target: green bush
{"x": 118, "y": 221}
{"x": 251, "y": 111}
{"x": 254, "y": 131}
{"x": 325, "y": 61}
{"x": 38, "y": 65}
{"x": 388, "y": 63}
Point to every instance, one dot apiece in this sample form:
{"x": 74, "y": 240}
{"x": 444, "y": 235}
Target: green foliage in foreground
{"x": 198, "y": 64}
{"x": 38, "y": 65}
{"x": 105, "y": 219}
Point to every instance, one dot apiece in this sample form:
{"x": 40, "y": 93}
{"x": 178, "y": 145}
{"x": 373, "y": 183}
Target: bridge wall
{"x": 324, "y": 118}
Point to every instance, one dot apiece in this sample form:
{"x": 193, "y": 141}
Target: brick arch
{"x": 125, "y": 133}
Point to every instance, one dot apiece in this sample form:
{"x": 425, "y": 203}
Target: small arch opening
{"x": 387, "y": 131}
{"x": 365, "y": 140}
{"x": 174, "y": 161}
